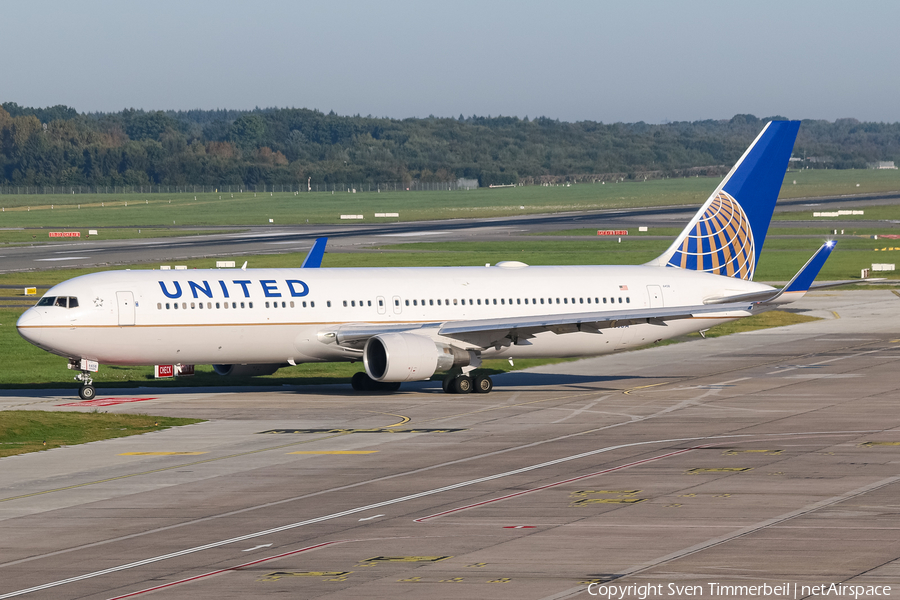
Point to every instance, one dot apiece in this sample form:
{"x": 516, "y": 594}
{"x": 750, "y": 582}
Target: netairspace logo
{"x": 714, "y": 589}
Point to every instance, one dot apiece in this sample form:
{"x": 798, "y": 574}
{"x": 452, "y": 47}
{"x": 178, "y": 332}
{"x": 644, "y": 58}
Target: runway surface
{"x": 255, "y": 240}
{"x": 770, "y": 457}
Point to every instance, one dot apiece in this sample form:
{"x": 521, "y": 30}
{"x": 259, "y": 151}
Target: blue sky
{"x": 575, "y": 60}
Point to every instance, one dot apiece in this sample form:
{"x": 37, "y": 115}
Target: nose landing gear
{"x": 87, "y": 391}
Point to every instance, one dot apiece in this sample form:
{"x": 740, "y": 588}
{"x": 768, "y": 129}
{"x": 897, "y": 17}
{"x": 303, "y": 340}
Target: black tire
{"x": 389, "y": 386}
{"x": 360, "y": 382}
{"x": 447, "y": 384}
{"x": 483, "y": 384}
{"x": 87, "y": 392}
{"x": 462, "y": 384}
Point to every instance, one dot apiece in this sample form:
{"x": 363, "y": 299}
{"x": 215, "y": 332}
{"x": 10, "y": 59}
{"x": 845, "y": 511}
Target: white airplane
{"x": 407, "y": 324}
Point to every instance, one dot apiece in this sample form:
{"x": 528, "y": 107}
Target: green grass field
{"x": 31, "y": 431}
{"x": 81, "y": 211}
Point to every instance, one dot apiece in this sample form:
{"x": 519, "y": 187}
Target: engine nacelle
{"x": 246, "y": 370}
{"x": 409, "y": 357}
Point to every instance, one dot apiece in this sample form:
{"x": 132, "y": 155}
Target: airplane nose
{"x": 29, "y": 325}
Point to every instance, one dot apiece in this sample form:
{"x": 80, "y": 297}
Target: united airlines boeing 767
{"x": 406, "y": 324}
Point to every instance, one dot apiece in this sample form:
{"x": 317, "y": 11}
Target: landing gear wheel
{"x": 87, "y": 392}
{"x": 447, "y": 384}
{"x": 462, "y": 384}
{"x": 483, "y": 384}
{"x": 360, "y": 382}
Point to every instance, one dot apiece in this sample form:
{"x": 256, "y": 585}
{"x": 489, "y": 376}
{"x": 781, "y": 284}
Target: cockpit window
{"x": 61, "y": 301}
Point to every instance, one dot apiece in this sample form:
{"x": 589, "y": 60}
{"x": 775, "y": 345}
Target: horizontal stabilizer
{"x": 801, "y": 283}
{"x": 313, "y": 260}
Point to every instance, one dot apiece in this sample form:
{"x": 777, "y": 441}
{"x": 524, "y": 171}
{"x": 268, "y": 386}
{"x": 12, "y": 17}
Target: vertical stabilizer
{"x": 726, "y": 236}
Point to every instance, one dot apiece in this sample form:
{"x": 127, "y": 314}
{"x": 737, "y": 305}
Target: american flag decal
{"x": 623, "y": 288}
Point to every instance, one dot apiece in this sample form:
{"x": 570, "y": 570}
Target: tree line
{"x": 58, "y": 146}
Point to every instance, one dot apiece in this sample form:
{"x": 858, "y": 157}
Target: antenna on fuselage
{"x": 244, "y": 266}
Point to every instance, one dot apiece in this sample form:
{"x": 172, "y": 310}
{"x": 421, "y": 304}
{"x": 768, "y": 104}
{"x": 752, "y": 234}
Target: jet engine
{"x": 246, "y": 370}
{"x": 410, "y": 357}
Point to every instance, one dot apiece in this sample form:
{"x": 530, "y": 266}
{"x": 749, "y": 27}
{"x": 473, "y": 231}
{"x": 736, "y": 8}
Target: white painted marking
{"x": 256, "y": 547}
{"x": 431, "y": 492}
{"x": 60, "y": 258}
{"x": 370, "y": 518}
{"x": 415, "y": 233}
{"x": 79, "y": 251}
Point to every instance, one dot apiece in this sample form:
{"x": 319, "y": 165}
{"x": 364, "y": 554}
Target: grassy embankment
{"x": 30, "y": 431}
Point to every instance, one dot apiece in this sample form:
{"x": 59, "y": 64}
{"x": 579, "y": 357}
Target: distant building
{"x": 467, "y": 184}
{"x": 883, "y": 164}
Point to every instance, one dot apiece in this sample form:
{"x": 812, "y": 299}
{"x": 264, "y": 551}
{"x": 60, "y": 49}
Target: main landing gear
{"x": 464, "y": 384}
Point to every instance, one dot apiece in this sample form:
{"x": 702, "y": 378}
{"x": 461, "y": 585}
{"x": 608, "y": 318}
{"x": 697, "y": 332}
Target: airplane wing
{"x": 485, "y": 333}
{"x": 313, "y": 260}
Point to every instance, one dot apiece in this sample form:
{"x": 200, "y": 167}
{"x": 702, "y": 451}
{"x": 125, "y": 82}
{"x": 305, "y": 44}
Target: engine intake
{"x": 246, "y": 370}
{"x": 410, "y": 357}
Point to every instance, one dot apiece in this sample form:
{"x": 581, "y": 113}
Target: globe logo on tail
{"x": 721, "y": 241}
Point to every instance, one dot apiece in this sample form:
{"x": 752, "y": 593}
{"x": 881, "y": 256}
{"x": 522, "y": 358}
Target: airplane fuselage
{"x": 273, "y": 316}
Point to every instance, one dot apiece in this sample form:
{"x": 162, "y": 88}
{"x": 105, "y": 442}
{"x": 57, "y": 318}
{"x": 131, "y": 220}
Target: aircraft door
{"x": 396, "y": 303}
{"x": 656, "y": 297}
{"x": 126, "y": 308}
{"x": 381, "y": 306}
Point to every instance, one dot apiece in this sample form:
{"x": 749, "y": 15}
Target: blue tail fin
{"x": 313, "y": 260}
{"x": 726, "y": 236}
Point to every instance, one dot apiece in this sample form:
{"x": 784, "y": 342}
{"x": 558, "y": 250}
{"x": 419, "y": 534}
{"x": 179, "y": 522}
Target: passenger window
{"x": 479, "y": 302}
{"x": 542, "y": 300}
{"x": 209, "y": 305}
{"x": 313, "y": 304}
{"x": 217, "y": 305}
{"x": 565, "y": 301}
{"x": 328, "y": 304}
{"x": 267, "y": 305}
{"x": 381, "y": 303}
{"x": 167, "y": 306}
{"x": 159, "y": 306}
{"x": 604, "y": 300}
{"x": 184, "y": 305}
{"x": 620, "y": 299}
{"x": 345, "y": 303}
{"x": 495, "y": 302}
{"x": 200, "y": 305}
{"x": 242, "y": 305}
{"x": 174, "y": 306}
{"x": 368, "y": 302}
{"x": 234, "y": 305}
{"x": 407, "y": 302}
{"x": 431, "y": 303}
{"x": 628, "y": 299}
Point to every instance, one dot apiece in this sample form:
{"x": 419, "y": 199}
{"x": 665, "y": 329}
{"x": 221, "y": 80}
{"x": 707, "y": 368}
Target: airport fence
{"x": 278, "y": 188}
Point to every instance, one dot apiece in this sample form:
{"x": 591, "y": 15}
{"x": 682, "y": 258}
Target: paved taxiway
{"x": 254, "y": 240}
{"x": 766, "y": 457}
